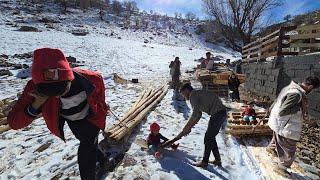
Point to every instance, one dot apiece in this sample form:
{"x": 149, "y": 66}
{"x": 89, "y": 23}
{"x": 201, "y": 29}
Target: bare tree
{"x": 190, "y": 16}
{"x": 287, "y": 18}
{"x": 130, "y": 7}
{"x": 117, "y": 7}
{"x": 238, "y": 19}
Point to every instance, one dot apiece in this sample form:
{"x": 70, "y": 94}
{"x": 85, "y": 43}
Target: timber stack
{"x": 5, "y": 107}
{"x": 217, "y": 80}
{"x": 235, "y": 128}
{"x": 148, "y": 100}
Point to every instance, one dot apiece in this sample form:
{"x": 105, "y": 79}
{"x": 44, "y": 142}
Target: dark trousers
{"x": 235, "y": 95}
{"x": 213, "y": 129}
{"x": 88, "y": 152}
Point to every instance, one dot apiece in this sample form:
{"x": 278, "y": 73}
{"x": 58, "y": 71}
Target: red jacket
{"x": 248, "y": 112}
{"x": 18, "y": 119}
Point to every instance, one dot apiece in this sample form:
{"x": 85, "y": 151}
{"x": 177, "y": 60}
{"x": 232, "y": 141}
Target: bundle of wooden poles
{"x": 148, "y": 100}
{"x": 235, "y": 127}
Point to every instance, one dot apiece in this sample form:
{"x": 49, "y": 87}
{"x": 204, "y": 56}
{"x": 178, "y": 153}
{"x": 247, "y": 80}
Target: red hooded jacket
{"x": 43, "y": 60}
{"x": 18, "y": 118}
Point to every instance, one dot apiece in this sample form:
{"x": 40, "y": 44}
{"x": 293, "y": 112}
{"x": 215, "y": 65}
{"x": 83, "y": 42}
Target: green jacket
{"x": 205, "y": 101}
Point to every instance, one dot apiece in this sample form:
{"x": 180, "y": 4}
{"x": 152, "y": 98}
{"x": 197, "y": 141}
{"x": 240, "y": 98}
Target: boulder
{"x": 146, "y": 41}
{"x": 24, "y": 73}
{"x": 80, "y": 32}
{"x": 4, "y": 72}
{"x": 28, "y": 29}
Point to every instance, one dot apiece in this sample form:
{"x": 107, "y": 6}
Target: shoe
{"x": 272, "y": 152}
{"x": 216, "y": 163}
{"x": 282, "y": 171}
{"x": 201, "y": 164}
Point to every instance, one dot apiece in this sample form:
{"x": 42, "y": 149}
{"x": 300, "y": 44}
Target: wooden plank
{"x": 252, "y": 48}
{"x": 305, "y": 36}
{"x": 305, "y": 45}
{"x": 288, "y": 28}
{"x": 308, "y": 27}
{"x": 271, "y": 41}
{"x": 290, "y": 53}
{"x": 260, "y": 39}
{"x": 250, "y": 44}
{"x": 4, "y": 128}
{"x": 246, "y": 127}
{"x": 267, "y": 48}
{"x": 270, "y": 35}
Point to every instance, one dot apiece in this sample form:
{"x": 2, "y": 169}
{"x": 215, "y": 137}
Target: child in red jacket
{"x": 249, "y": 114}
{"x": 154, "y": 139}
{"x": 60, "y": 94}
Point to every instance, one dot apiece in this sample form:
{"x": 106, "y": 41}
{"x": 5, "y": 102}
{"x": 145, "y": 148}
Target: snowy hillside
{"x": 109, "y": 49}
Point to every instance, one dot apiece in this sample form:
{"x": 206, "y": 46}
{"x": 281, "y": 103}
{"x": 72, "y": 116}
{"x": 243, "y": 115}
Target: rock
{"x": 146, "y": 41}
{"x": 151, "y": 38}
{"x": 4, "y": 56}
{"x": 28, "y": 29}
{"x": 119, "y": 37}
{"x": 72, "y": 59}
{"x": 190, "y": 49}
{"x": 17, "y": 66}
{"x": 23, "y": 56}
{"x": 4, "y": 72}
{"x": 49, "y": 26}
{"x": 24, "y": 73}
{"x": 47, "y": 20}
{"x": 80, "y": 32}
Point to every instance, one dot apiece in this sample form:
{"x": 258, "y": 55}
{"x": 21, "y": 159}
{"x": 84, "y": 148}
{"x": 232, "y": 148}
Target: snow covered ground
{"x": 130, "y": 58}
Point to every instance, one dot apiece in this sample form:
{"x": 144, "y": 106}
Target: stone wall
{"x": 269, "y": 78}
{"x": 262, "y": 79}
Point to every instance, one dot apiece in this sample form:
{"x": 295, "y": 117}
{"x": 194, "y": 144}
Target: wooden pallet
{"x": 236, "y": 129}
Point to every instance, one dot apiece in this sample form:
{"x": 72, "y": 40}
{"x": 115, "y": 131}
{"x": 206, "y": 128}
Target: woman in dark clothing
{"x": 234, "y": 83}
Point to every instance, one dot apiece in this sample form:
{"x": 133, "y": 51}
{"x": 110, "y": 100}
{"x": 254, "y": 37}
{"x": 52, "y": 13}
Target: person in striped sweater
{"x": 60, "y": 94}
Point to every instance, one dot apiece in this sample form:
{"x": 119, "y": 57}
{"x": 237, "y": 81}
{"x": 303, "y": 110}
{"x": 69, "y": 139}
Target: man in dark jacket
{"x": 234, "y": 83}
{"x": 176, "y": 73}
{"x": 210, "y": 103}
{"x": 61, "y": 94}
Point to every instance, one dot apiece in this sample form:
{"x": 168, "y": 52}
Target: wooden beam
{"x": 308, "y": 27}
{"x": 305, "y": 45}
{"x": 305, "y": 36}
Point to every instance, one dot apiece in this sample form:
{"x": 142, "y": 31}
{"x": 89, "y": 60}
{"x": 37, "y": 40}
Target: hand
{"x": 39, "y": 99}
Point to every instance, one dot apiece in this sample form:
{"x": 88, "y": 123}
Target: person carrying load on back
{"x": 286, "y": 119}
{"x": 60, "y": 94}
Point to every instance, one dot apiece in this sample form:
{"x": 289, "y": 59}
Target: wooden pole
{"x": 141, "y": 116}
{"x": 4, "y": 128}
{"x": 137, "y": 111}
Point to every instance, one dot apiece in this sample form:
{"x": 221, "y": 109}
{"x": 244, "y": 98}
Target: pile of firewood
{"x": 140, "y": 109}
{"x": 235, "y": 127}
{"x": 5, "y": 107}
{"x": 309, "y": 146}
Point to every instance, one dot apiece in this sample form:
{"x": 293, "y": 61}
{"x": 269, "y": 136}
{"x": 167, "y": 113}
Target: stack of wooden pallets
{"x": 236, "y": 128}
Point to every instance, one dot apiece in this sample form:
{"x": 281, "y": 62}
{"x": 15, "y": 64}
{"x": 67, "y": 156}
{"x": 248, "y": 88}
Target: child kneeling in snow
{"x": 154, "y": 139}
{"x": 249, "y": 114}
